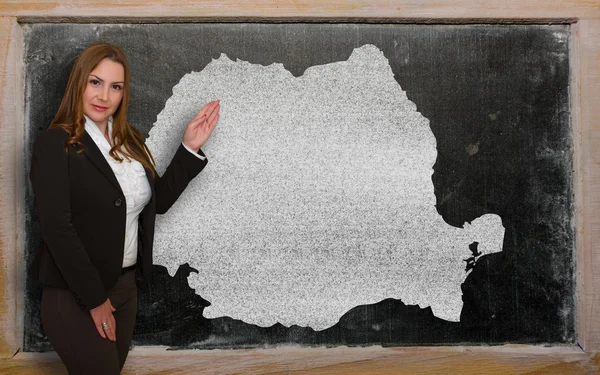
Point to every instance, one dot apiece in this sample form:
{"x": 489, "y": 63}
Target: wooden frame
{"x": 585, "y": 60}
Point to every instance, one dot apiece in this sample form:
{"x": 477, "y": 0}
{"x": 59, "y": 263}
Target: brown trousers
{"x": 74, "y": 336}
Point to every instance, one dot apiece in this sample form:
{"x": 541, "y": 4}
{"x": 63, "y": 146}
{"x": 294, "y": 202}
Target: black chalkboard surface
{"x": 497, "y": 101}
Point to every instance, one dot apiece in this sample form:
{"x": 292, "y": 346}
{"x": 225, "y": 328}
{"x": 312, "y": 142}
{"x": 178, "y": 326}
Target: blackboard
{"x": 497, "y": 101}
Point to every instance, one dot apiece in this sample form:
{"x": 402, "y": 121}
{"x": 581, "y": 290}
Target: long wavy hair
{"x": 128, "y": 141}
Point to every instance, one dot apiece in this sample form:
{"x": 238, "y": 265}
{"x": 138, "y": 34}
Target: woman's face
{"x": 103, "y": 91}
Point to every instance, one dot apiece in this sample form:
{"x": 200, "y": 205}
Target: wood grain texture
{"x": 99, "y": 10}
{"x": 11, "y": 104}
{"x": 589, "y": 115}
{"x": 578, "y": 183}
{"x": 370, "y": 360}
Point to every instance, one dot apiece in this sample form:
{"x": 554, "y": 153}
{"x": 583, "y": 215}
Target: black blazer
{"x": 82, "y": 213}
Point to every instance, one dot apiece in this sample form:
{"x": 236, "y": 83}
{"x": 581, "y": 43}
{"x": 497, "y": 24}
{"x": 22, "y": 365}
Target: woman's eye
{"x": 94, "y": 82}
{"x": 117, "y": 87}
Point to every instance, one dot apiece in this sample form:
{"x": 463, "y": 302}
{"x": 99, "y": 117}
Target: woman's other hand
{"x": 200, "y": 128}
{"x": 105, "y": 321}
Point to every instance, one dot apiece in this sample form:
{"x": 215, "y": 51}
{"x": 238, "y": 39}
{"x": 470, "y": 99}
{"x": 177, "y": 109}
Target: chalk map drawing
{"x": 317, "y": 196}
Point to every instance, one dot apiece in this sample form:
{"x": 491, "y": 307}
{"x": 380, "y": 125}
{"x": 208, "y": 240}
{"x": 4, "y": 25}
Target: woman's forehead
{"x": 109, "y": 70}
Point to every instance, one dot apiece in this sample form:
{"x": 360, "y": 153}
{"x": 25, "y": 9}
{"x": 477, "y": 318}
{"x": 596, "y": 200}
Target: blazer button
{"x": 118, "y": 202}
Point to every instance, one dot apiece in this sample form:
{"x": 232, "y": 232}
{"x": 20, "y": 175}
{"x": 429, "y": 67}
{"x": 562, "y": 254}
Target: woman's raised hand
{"x": 200, "y": 128}
{"x": 105, "y": 321}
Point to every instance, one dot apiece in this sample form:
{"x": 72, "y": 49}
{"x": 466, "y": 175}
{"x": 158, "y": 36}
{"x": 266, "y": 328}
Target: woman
{"x": 97, "y": 194}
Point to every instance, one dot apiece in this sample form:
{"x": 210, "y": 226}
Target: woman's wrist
{"x": 195, "y": 152}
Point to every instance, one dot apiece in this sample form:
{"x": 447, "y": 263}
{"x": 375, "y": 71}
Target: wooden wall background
{"x": 585, "y": 60}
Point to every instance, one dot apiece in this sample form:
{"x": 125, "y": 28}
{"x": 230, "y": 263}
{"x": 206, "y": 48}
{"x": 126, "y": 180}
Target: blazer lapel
{"x": 150, "y": 180}
{"x": 93, "y": 153}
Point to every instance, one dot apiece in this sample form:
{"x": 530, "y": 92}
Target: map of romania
{"x": 317, "y": 196}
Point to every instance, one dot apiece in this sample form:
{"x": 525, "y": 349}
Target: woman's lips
{"x": 99, "y": 108}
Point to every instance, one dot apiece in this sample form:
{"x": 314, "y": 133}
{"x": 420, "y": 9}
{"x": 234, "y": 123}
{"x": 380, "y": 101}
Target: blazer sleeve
{"x": 183, "y": 168}
{"x": 49, "y": 177}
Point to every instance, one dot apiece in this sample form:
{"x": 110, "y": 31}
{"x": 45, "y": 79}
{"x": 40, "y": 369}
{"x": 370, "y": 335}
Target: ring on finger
{"x": 105, "y": 325}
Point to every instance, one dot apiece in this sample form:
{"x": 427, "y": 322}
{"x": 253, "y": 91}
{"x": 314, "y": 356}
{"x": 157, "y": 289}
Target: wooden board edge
{"x": 578, "y": 185}
{"x": 507, "y": 359}
{"x": 589, "y": 117}
{"x": 271, "y": 19}
{"x": 304, "y": 9}
{"x": 586, "y": 254}
{"x": 11, "y": 230}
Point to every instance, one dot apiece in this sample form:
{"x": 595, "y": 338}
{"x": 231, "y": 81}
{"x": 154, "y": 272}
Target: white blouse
{"x": 134, "y": 183}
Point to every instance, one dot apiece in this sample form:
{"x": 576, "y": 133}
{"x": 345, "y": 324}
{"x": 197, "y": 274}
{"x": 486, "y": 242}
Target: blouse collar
{"x": 95, "y": 132}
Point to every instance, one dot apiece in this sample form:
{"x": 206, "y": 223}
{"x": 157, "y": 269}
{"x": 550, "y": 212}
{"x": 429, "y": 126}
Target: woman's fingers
{"x": 211, "y": 118}
{"x": 112, "y": 328}
{"x": 100, "y": 329}
{"x": 202, "y": 111}
{"x": 200, "y": 128}
{"x": 208, "y": 114}
{"x": 207, "y": 109}
{"x": 104, "y": 320}
{"x": 207, "y": 124}
{"x": 109, "y": 328}
{"x": 213, "y": 124}
{"x": 197, "y": 123}
{"x": 204, "y": 132}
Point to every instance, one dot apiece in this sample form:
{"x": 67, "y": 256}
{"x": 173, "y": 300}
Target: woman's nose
{"x": 103, "y": 94}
